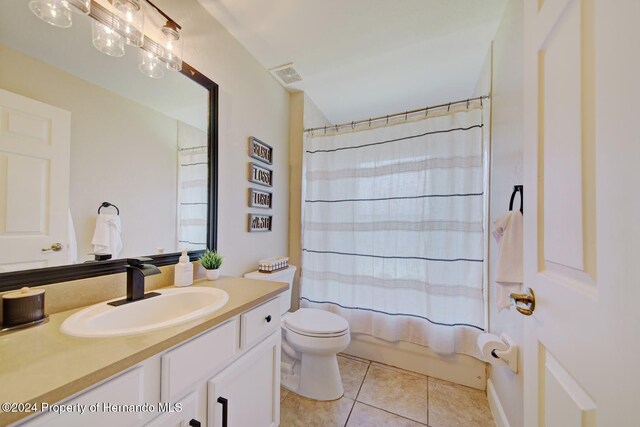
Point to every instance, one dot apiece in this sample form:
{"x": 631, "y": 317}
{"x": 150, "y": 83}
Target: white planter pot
{"x": 212, "y": 274}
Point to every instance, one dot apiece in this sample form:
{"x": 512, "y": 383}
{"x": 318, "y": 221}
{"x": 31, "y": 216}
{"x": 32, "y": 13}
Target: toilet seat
{"x": 316, "y": 323}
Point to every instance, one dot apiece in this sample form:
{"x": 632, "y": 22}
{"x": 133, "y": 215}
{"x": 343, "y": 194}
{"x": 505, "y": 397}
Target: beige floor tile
{"x": 396, "y": 391}
{"x": 352, "y": 372}
{"x": 453, "y": 405}
{"x": 283, "y": 393}
{"x": 297, "y": 411}
{"x": 367, "y": 416}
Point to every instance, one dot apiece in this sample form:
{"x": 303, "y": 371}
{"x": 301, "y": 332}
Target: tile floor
{"x": 381, "y": 395}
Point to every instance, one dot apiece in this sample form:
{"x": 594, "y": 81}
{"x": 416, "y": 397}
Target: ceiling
{"x": 363, "y": 58}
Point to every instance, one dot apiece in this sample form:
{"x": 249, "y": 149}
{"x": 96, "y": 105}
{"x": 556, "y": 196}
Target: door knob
{"x": 55, "y": 248}
{"x": 528, "y": 299}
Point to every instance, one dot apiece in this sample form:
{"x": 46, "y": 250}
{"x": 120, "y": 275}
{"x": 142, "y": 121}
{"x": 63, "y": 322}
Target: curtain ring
{"x": 325, "y": 130}
{"x": 481, "y": 98}
{"x": 387, "y": 119}
{"x": 449, "y": 107}
{"x": 426, "y": 112}
{"x": 353, "y": 127}
{"x": 467, "y": 104}
{"x": 336, "y": 128}
{"x": 369, "y": 121}
{"x": 406, "y": 114}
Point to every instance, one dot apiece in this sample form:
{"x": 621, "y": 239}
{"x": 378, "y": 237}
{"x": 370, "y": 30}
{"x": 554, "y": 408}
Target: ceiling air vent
{"x": 286, "y": 74}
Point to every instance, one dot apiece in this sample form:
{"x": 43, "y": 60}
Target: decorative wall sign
{"x": 260, "y": 151}
{"x": 260, "y": 199}
{"x": 260, "y": 175}
{"x": 259, "y": 222}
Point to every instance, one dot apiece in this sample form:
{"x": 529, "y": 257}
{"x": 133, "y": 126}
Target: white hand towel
{"x": 107, "y": 235}
{"x": 72, "y": 250}
{"x": 507, "y": 230}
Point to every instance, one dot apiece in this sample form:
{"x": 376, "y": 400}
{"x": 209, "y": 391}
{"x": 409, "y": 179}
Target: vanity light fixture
{"x": 150, "y": 64}
{"x": 54, "y": 12}
{"x": 131, "y": 22}
{"x": 107, "y": 40}
{"x": 172, "y": 46}
{"x": 58, "y": 12}
{"x": 112, "y": 28}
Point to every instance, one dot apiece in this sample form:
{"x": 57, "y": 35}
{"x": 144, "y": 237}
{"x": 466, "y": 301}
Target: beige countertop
{"x": 40, "y": 364}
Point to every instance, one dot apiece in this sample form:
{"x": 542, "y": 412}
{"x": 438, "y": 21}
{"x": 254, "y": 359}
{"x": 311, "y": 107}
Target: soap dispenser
{"x": 183, "y": 275}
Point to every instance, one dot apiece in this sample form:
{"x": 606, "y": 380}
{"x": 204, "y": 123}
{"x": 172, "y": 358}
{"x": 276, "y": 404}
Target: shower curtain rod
{"x": 405, "y": 114}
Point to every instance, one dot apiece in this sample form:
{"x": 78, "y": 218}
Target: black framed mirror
{"x": 61, "y": 273}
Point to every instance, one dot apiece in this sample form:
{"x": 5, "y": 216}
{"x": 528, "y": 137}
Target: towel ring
{"x": 106, "y": 205}
{"x": 517, "y": 189}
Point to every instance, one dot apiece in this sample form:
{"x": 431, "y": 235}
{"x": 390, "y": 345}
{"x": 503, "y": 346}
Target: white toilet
{"x": 311, "y": 339}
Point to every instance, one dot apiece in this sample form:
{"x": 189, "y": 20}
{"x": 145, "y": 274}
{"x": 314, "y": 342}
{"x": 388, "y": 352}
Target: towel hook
{"x": 106, "y": 205}
{"x": 517, "y": 189}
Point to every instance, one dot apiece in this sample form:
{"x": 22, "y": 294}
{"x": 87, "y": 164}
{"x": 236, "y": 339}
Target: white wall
{"x": 121, "y": 152}
{"x": 251, "y": 103}
{"x": 506, "y": 171}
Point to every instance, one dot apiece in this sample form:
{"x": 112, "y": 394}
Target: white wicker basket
{"x": 273, "y": 264}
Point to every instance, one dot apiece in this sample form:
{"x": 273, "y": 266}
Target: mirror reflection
{"x": 95, "y": 157}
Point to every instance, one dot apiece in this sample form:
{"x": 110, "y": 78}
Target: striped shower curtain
{"x": 393, "y": 230}
{"x": 193, "y": 173}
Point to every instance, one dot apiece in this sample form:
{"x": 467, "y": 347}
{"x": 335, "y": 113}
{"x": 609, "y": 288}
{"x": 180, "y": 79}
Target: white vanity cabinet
{"x": 238, "y": 360}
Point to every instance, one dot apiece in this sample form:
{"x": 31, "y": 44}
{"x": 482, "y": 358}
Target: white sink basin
{"x": 172, "y": 307}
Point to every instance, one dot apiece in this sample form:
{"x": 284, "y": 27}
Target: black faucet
{"x": 136, "y": 272}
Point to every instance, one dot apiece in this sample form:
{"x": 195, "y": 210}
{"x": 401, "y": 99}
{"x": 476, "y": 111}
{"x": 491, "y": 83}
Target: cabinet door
{"x": 185, "y": 413}
{"x": 249, "y": 388}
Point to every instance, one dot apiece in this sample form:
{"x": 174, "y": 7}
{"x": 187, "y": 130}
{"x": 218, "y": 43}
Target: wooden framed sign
{"x": 260, "y": 151}
{"x": 260, "y": 199}
{"x": 260, "y": 222}
{"x": 260, "y": 175}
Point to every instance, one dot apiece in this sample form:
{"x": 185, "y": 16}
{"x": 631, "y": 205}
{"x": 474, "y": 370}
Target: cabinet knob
{"x": 194, "y": 423}
{"x": 268, "y": 318}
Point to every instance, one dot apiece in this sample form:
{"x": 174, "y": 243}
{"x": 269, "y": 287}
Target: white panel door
{"x": 582, "y": 230}
{"x": 34, "y": 182}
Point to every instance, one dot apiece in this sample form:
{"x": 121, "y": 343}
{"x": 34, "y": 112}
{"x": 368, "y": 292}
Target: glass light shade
{"x": 172, "y": 48}
{"x": 107, "y": 40}
{"x": 54, "y": 12}
{"x": 150, "y": 65}
{"x": 82, "y": 7}
{"x": 131, "y": 21}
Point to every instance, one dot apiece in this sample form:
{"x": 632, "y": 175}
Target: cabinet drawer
{"x": 259, "y": 322}
{"x": 125, "y": 389}
{"x": 195, "y": 359}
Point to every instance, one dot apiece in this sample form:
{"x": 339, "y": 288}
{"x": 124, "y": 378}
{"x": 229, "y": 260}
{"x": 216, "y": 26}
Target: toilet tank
{"x": 285, "y": 276}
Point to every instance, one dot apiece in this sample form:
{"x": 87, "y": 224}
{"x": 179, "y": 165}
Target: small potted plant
{"x": 211, "y": 262}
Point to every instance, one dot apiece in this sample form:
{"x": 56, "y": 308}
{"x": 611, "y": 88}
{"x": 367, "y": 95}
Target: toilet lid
{"x": 314, "y": 322}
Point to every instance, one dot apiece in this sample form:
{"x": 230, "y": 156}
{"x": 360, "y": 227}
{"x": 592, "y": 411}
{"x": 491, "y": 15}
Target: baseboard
{"x": 457, "y": 368}
{"x": 497, "y": 410}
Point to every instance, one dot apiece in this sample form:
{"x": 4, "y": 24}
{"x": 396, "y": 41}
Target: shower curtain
{"x": 393, "y": 230}
{"x": 193, "y": 172}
